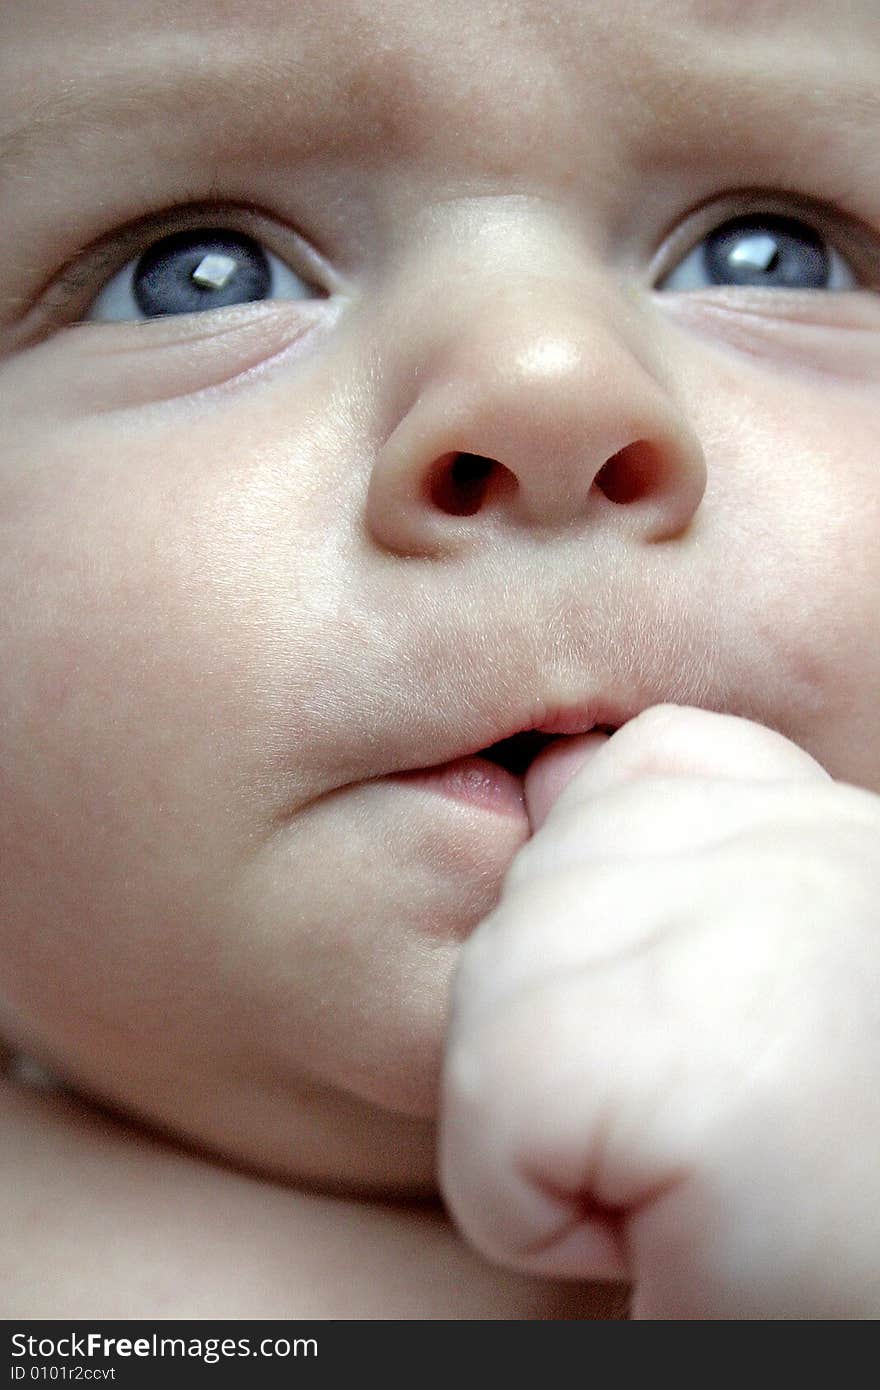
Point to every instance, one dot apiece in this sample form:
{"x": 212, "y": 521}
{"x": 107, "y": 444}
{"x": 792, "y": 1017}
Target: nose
{"x": 532, "y": 410}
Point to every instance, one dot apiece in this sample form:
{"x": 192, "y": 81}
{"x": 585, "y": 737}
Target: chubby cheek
{"x": 130, "y": 779}
{"x": 791, "y": 520}
{"x": 114, "y": 786}
{"x": 834, "y": 591}
{"x": 170, "y": 932}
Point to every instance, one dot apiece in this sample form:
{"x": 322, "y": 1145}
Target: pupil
{"x": 202, "y": 269}
{"x": 767, "y": 250}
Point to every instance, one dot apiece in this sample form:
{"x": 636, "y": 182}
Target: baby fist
{"x": 664, "y": 1043}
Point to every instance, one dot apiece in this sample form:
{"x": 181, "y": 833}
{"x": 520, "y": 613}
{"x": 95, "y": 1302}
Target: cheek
{"x": 175, "y": 619}
{"x": 833, "y": 599}
{"x": 795, "y": 493}
{"x": 133, "y": 755}
{"x": 157, "y": 615}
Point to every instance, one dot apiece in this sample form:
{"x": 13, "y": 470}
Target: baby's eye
{"x": 765, "y": 249}
{"x": 203, "y": 268}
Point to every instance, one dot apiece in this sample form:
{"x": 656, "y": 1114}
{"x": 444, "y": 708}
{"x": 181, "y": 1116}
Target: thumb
{"x": 663, "y": 741}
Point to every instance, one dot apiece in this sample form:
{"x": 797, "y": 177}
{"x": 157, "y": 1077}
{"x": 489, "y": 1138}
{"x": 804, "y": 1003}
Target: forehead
{"x": 541, "y": 93}
{"x": 416, "y": 55}
{"x": 168, "y": 13}
{"x": 457, "y": 27}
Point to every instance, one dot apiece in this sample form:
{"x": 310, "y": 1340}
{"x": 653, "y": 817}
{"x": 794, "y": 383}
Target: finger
{"x": 683, "y": 741}
{"x": 519, "y": 1121}
{"x": 672, "y": 779}
{"x": 664, "y": 1116}
{"x": 554, "y": 768}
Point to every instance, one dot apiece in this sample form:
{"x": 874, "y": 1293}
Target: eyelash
{"x": 841, "y": 230}
{"x": 73, "y": 288}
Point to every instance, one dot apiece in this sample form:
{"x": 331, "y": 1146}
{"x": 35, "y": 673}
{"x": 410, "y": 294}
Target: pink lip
{"x": 478, "y": 781}
{"x": 473, "y": 780}
{"x": 583, "y": 719}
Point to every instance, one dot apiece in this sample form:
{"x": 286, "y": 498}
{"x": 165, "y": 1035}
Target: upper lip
{"x": 551, "y": 718}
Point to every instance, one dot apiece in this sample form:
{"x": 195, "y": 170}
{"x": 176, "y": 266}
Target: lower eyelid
{"x": 113, "y": 366}
{"x": 130, "y": 336}
{"x": 833, "y": 337}
{"x": 857, "y": 309}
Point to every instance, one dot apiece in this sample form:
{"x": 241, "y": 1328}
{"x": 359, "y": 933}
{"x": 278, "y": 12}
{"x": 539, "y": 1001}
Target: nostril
{"x": 630, "y": 473}
{"x": 459, "y": 483}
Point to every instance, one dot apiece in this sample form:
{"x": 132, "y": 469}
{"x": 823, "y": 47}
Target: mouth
{"x": 509, "y": 777}
{"x": 517, "y": 753}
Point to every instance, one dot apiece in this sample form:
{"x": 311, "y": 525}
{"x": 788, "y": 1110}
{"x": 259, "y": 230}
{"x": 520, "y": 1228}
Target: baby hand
{"x": 664, "y": 1052}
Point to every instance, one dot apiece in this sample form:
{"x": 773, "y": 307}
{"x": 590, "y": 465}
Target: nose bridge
{"x": 495, "y": 270}
{"x": 516, "y": 349}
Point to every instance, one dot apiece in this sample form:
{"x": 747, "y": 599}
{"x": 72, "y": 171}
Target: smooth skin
{"x": 242, "y": 585}
{"x": 669, "y": 1080}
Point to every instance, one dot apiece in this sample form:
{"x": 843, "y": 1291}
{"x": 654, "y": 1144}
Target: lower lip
{"x": 475, "y": 781}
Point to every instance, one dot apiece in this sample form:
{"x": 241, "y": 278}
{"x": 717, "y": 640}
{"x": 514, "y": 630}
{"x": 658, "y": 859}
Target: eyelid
{"x": 849, "y": 236}
{"x": 71, "y": 289}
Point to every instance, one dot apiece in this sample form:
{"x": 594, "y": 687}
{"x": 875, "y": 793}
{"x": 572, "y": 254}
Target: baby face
{"x": 377, "y": 381}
